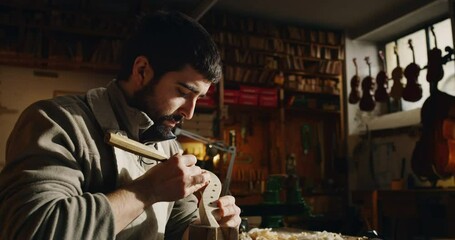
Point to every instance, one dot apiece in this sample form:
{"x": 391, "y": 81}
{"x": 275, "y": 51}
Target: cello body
{"x": 431, "y": 157}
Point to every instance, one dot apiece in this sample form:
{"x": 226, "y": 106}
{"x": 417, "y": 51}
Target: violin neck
{"x": 398, "y": 59}
{"x": 434, "y": 36}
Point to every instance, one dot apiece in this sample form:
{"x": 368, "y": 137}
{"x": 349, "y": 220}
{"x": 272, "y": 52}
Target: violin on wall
{"x": 397, "y": 74}
{"x": 435, "y": 71}
{"x": 354, "y": 96}
{"x": 367, "y": 102}
{"x": 382, "y": 83}
{"x": 413, "y": 90}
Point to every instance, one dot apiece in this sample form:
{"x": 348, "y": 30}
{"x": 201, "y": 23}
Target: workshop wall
{"x": 19, "y": 87}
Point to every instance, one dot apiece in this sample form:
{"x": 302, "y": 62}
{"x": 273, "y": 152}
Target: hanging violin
{"x": 382, "y": 83}
{"x": 367, "y": 101}
{"x": 397, "y": 74}
{"x": 435, "y": 70}
{"x": 354, "y": 96}
{"x": 413, "y": 91}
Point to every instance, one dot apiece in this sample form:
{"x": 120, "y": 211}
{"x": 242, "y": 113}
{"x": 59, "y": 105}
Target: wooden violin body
{"x": 431, "y": 158}
{"x": 397, "y": 74}
{"x": 413, "y": 91}
{"x": 435, "y": 71}
{"x": 382, "y": 84}
{"x": 367, "y": 102}
{"x": 354, "y": 95}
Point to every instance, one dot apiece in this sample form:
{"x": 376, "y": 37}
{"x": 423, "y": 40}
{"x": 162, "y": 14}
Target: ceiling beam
{"x": 428, "y": 14}
{"x": 202, "y": 8}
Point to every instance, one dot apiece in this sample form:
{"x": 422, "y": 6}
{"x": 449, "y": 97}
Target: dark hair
{"x": 170, "y": 41}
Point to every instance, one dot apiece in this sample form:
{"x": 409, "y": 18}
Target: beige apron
{"x": 151, "y": 223}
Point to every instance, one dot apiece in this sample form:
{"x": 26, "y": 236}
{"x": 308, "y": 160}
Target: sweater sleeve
{"x": 183, "y": 213}
{"x": 42, "y": 186}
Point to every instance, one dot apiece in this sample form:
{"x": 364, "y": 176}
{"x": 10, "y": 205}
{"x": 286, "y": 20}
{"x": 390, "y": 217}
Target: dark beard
{"x": 160, "y": 132}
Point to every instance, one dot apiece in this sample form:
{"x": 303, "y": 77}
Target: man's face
{"x": 169, "y": 100}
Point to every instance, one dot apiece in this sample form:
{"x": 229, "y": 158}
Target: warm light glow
{"x": 195, "y": 148}
{"x": 216, "y": 160}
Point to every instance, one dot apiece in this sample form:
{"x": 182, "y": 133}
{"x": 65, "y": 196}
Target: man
{"x": 62, "y": 181}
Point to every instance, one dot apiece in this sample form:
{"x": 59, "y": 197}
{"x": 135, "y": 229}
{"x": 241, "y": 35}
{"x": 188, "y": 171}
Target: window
{"x": 443, "y": 32}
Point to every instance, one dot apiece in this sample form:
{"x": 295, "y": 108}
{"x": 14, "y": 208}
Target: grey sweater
{"x": 58, "y": 170}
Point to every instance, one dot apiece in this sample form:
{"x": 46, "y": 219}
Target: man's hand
{"x": 171, "y": 180}
{"x": 228, "y": 214}
{"x": 174, "y": 179}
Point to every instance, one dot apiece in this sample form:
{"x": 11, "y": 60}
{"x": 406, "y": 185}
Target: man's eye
{"x": 183, "y": 93}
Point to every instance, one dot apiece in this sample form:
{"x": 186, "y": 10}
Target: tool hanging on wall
{"x": 382, "y": 82}
{"x": 367, "y": 102}
{"x": 354, "y": 96}
{"x": 320, "y": 150}
{"x": 397, "y": 74}
{"x": 413, "y": 90}
{"x": 305, "y": 138}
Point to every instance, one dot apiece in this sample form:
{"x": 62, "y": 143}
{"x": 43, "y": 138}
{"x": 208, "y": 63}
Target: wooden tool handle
{"x": 132, "y": 146}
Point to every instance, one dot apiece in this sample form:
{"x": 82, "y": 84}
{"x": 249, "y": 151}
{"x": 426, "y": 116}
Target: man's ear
{"x": 142, "y": 72}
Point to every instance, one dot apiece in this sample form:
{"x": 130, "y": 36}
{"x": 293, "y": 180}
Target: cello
{"x": 354, "y": 96}
{"x": 434, "y": 153}
{"x": 382, "y": 83}
{"x": 397, "y": 74}
{"x": 413, "y": 91}
{"x": 367, "y": 102}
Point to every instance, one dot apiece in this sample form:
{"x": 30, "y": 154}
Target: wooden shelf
{"x": 48, "y": 36}
{"x": 310, "y": 111}
{"x": 57, "y": 64}
{"x": 257, "y": 110}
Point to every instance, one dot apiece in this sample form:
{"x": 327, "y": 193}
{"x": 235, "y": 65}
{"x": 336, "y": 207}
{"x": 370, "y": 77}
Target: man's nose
{"x": 187, "y": 110}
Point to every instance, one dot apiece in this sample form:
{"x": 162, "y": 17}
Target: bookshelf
{"x": 300, "y": 68}
{"x": 43, "y": 35}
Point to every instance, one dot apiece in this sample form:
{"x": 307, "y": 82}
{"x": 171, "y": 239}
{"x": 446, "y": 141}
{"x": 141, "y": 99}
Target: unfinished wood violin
{"x": 367, "y": 102}
{"x": 382, "y": 82}
{"x": 413, "y": 90}
{"x": 354, "y": 96}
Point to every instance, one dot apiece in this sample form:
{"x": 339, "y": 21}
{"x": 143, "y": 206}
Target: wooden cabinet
{"x": 408, "y": 214}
